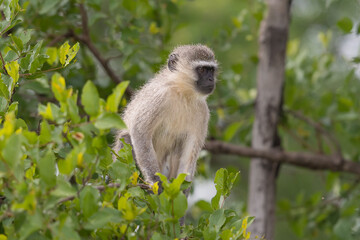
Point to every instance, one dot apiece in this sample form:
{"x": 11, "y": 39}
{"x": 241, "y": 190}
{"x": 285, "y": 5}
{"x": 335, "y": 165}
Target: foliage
{"x": 61, "y": 181}
{"x": 134, "y": 38}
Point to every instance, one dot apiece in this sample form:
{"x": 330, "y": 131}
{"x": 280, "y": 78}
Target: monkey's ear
{"x": 173, "y": 58}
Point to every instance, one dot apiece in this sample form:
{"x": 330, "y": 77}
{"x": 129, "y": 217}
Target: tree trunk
{"x": 270, "y": 85}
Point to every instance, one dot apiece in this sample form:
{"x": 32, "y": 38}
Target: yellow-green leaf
{"x": 64, "y": 49}
{"x": 113, "y": 101}
{"x": 153, "y": 29}
{"x": 46, "y": 112}
{"x": 58, "y": 87}
{"x": 72, "y": 53}
{"x": 3, "y": 237}
{"x": 13, "y": 70}
{"x": 52, "y": 52}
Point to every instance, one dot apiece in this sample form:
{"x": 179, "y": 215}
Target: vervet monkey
{"x": 167, "y": 119}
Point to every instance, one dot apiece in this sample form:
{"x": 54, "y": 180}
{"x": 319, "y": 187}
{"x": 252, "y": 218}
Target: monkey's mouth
{"x": 206, "y": 89}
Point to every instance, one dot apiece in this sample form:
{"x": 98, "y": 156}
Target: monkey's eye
{"x": 201, "y": 70}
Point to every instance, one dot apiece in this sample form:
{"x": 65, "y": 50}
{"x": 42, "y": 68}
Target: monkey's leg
{"x": 188, "y": 158}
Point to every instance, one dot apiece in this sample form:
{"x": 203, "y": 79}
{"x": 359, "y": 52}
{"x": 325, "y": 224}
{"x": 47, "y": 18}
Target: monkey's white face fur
{"x": 167, "y": 119}
{"x": 193, "y": 68}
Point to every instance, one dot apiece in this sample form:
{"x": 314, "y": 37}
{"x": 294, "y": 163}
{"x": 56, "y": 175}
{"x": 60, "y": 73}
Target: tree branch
{"x": 302, "y": 159}
{"x": 3, "y": 62}
{"x": 86, "y": 40}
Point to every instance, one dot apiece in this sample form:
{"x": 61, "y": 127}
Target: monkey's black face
{"x": 206, "y": 79}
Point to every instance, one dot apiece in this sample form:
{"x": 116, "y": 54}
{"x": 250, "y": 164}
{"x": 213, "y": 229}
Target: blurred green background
{"x": 322, "y": 82}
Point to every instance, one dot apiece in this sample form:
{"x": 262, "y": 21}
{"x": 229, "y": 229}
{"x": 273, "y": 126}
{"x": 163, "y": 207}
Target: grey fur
{"x": 167, "y": 118}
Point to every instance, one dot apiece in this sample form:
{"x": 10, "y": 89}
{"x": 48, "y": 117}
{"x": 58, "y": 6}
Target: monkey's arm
{"x": 144, "y": 120}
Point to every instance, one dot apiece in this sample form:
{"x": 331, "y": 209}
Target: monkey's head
{"x": 198, "y": 64}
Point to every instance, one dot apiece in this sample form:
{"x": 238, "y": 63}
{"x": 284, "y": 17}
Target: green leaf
{"x": 72, "y": 53}
{"x": 63, "y": 51}
{"x": 63, "y": 189}
{"x": 11, "y": 55}
{"x": 109, "y": 120}
{"x": 18, "y": 43}
{"x": 217, "y": 219}
{"x": 90, "y": 99}
{"x": 231, "y": 131}
{"x": 47, "y": 6}
{"x": 47, "y": 169}
{"x": 4, "y": 92}
{"x": 119, "y": 170}
{"x": 25, "y": 62}
{"x": 204, "y": 206}
{"x": 89, "y": 201}
{"x": 180, "y": 203}
{"x": 157, "y": 236}
{"x": 209, "y": 233}
{"x": 113, "y": 101}
{"x": 45, "y": 132}
{"x": 102, "y": 217}
{"x": 215, "y": 201}
{"x": 345, "y": 24}
{"x": 25, "y": 35}
{"x": 13, "y": 24}
{"x": 34, "y": 59}
{"x": 226, "y": 234}
{"x": 10, "y": 8}
{"x": 175, "y": 186}
{"x": 38, "y": 63}
{"x": 67, "y": 165}
{"x": 12, "y": 151}
{"x": 13, "y": 70}
{"x": 220, "y": 178}
{"x": 73, "y": 109}
{"x": 31, "y": 224}
{"x": 36, "y": 50}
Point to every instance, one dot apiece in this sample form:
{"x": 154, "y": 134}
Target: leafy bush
{"x": 61, "y": 182}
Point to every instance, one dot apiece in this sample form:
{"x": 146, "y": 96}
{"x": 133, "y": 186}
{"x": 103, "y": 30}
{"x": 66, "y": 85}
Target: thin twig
{"x": 319, "y": 142}
{"x": 4, "y": 30}
{"x": 45, "y": 71}
{"x": 333, "y": 141}
{"x": 297, "y": 138}
{"x": 113, "y": 57}
{"x": 86, "y": 40}
{"x": 3, "y": 62}
{"x": 102, "y": 188}
{"x": 84, "y": 21}
{"x": 58, "y": 38}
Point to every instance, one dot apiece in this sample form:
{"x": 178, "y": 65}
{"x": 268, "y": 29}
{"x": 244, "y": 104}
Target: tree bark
{"x": 270, "y": 84}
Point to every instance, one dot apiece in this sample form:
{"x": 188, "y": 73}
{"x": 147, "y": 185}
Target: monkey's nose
{"x": 211, "y": 79}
